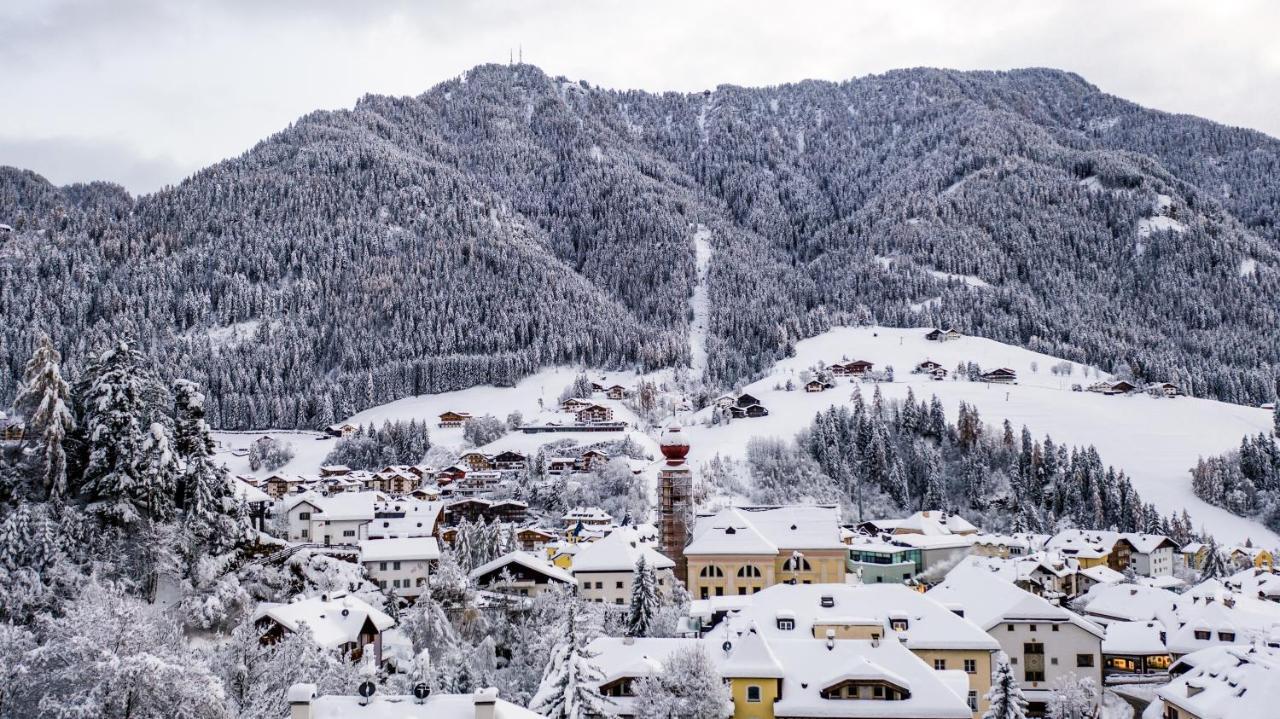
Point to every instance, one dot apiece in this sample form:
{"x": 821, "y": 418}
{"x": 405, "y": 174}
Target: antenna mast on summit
{"x": 521, "y": 50}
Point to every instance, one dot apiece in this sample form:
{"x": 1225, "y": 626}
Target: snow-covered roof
{"x": 346, "y": 506}
{"x": 334, "y": 620}
{"x": 526, "y": 560}
{"x": 989, "y": 600}
{"x": 418, "y": 519}
{"x": 387, "y": 706}
{"x": 930, "y": 624}
{"x": 399, "y": 549}
{"x": 619, "y": 552}
{"x": 766, "y": 530}
{"x": 1092, "y": 544}
{"x": 1238, "y": 683}
{"x": 1148, "y": 543}
{"x": 1134, "y": 638}
{"x": 749, "y": 656}
{"x": 241, "y": 489}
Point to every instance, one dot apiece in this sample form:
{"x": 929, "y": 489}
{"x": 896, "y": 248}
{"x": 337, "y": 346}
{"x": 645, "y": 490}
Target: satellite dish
{"x": 421, "y": 691}
{"x": 727, "y": 646}
{"x": 367, "y": 689}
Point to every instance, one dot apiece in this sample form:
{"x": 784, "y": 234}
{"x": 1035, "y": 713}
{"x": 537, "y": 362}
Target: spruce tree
{"x": 115, "y": 407}
{"x": 1215, "y": 562}
{"x": 645, "y": 601}
{"x": 567, "y": 690}
{"x": 43, "y": 399}
{"x": 1005, "y": 700}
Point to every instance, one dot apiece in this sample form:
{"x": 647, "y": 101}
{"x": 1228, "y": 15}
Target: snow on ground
{"x": 309, "y": 450}
{"x": 931, "y": 303}
{"x": 234, "y": 334}
{"x": 1155, "y": 441}
{"x": 1092, "y": 183}
{"x": 967, "y": 279}
{"x": 1248, "y": 266}
{"x": 1147, "y": 225}
{"x": 700, "y": 302}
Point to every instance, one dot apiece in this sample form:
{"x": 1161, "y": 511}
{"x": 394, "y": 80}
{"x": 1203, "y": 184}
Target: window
{"x": 619, "y": 585}
{"x": 304, "y": 516}
{"x": 749, "y": 571}
{"x": 705, "y": 593}
{"x": 970, "y": 666}
{"x": 742, "y": 591}
{"x": 1009, "y": 627}
{"x": 711, "y": 571}
{"x": 1053, "y": 661}
{"x": 305, "y": 533}
{"x": 786, "y": 624}
{"x": 618, "y": 600}
{"x": 1033, "y": 669}
{"x": 1055, "y": 627}
{"x": 753, "y": 693}
{"x": 348, "y": 532}
{"x": 1226, "y": 636}
{"x": 395, "y": 565}
{"x": 796, "y": 564}
{"x": 877, "y": 691}
{"x": 1033, "y": 627}
{"x": 973, "y": 701}
{"x": 1202, "y": 634}
{"x": 599, "y": 585}
{"x": 382, "y": 566}
{"x": 939, "y": 664}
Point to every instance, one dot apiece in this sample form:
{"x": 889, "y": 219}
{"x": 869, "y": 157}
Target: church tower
{"x": 675, "y": 502}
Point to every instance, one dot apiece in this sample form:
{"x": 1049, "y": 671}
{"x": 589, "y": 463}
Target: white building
{"x": 1235, "y": 682}
{"x": 520, "y": 573}
{"x": 1045, "y": 643}
{"x": 401, "y": 564}
{"x": 604, "y": 569}
{"x": 343, "y": 518}
{"x": 336, "y": 621}
{"x": 304, "y": 703}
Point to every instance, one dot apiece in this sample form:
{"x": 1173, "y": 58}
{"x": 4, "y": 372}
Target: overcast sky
{"x": 143, "y": 92}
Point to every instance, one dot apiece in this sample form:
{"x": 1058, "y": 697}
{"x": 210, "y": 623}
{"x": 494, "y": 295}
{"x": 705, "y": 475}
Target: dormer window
{"x": 1203, "y": 634}
{"x": 898, "y": 625}
{"x": 827, "y": 601}
{"x": 786, "y": 624}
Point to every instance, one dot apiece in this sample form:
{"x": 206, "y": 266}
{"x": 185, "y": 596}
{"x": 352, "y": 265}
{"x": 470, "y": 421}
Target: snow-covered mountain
{"x": 506, "y": 221}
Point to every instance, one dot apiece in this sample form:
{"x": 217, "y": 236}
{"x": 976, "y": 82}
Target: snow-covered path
{"x": 701, "y": 303}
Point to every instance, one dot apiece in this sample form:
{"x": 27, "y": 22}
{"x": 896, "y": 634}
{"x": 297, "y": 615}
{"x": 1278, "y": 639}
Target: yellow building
{"x": 742, "y": 550}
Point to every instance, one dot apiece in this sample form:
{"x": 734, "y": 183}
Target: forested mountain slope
{"x": 508, "y": 220}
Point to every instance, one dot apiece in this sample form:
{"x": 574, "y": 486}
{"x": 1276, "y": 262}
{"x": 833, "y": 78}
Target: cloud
{"x": 175, "y": 86}
{"x": 65, "y": 160}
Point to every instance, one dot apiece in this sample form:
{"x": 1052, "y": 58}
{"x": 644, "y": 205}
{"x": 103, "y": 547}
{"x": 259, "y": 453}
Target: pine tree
{"x": 42, "y": 401}
{"x": 114, "y": 408}
{"x": 567, "y": 690}
{"x": 1005, "y": 698}
{"x": 1215, "y": 562}
{"x": 645, "y": 601}
{"x": 203, "y": 489}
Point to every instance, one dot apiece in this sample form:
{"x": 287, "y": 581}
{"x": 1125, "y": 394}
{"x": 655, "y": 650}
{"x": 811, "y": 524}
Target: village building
{"x": 476, "y": 461}
{"x": 947, "y": 335}
{"x": 475, "y": 509}
{"x": 1221, "y": 683}
{"x": 278, "y": 486}
{"x": 342, "y": 429}
{"x": 520, "y": 573}
{"x": 592, "y": 460}
{"x": 593, "y": 414}
{"x": 401, "y": 565}
{"x": 306, "y": 703}
{"x": 742, "y": 550}
{"x": 404, "y": 517}
{"x": 1193, "y": 554}
{"x": 533, "y": 539}
{"x": 1113, "y": 388}
{"x": 1005, "y": 546}
{"x": 604, "y": 569}
{"x": 1002, "y": 375}
{"x": 587, "y": 517}
{"x": 1164, "y": 389}
{"x": 335, "y": 620}
{"x": 617, "y": 391}
{"x": 573, "y": 404}
{"x": 342, "y": 518}
{"x": 1045, "y": 643}
{"x": 814, "y": 385}
{"x": 1134, "y": 649}
{"x": 510, "y": 461}
{"x": 881, "y": 562}
{"x": 452, "y": 419}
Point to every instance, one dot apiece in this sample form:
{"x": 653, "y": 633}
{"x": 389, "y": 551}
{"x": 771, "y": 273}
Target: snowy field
{"x": 1155, "y": 441}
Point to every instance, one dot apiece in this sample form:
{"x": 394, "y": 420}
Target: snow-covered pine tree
{"x": 1005, "y": 700}
{"x": 566, "y": 690}
{"x": 1215, "y": 562}
{"x": 43, "y": 402}
{"x": 645, "y": 601}
{"x": 157, "y": 474}
{"x": 203, "y": 491}
{"x": 114, "y": 409}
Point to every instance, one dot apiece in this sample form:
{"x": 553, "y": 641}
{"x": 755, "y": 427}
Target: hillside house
{"x": 342, "y": 430}
{"x": 617, "y": 391}
{"x": 533, "y": 539}
{"x": 588, "y": 517}
{"x": 1164, "y": 389}
{"x": 401, "y": 565}
{"x": 510, "y": 461}
{"x": 593, "y": 414}
{"x": 453, "y": 419}
{"x": 814, "y": 385}
{"x": 450, "y": 474}
{"x": 476, "y": 461}
{"x": 1112, "y": 388}
{"x": 938, "y": 335}
{"x": 520, "y": 573}
{"x": 305, "y": 702}
{"x": 1003, "y": 375}
{"x": 336, "y": 621}
{"x": 592, "y": 460}
{"x": 573, "y": 404}
{"x": 474, "y": 509}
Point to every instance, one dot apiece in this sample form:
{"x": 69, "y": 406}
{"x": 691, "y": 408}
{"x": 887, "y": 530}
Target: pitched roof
{"x": 749, "y": 656}
{"x": 990, "y": 600}
{"x": 334, "y": 619}
{"x": 399, "y": 548}
{"x": 526, "y": 560}
{"x": 766, "y": 530}
{"x": 619, "y": 552}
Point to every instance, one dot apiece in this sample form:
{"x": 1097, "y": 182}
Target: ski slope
{"x": 1155, "y": 441}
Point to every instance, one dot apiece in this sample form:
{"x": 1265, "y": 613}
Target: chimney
{"x": 300, "y": 697}
{"x": 486, "y": 703}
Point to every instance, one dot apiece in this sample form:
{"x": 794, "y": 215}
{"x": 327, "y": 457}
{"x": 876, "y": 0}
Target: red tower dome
{"x": 674, "y": 444}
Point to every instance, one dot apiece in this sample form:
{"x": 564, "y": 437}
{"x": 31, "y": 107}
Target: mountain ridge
{"x": 560, "y": 217}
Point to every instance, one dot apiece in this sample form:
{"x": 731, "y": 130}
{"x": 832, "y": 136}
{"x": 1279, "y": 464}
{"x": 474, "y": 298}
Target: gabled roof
{"x": 619, "y": 552}
{"x": 1134, "y": 638}
{"x": 1232, "y": 683}
{"x": 334, "y": 619}
{"x": 989, "y": 600}
{"x": 767, "y": 530}
{"x": 526, "y": 560}
{"x": 399, "y": 548}
{"x": 347, "y": 506}
{"x": 750, "y": 657}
